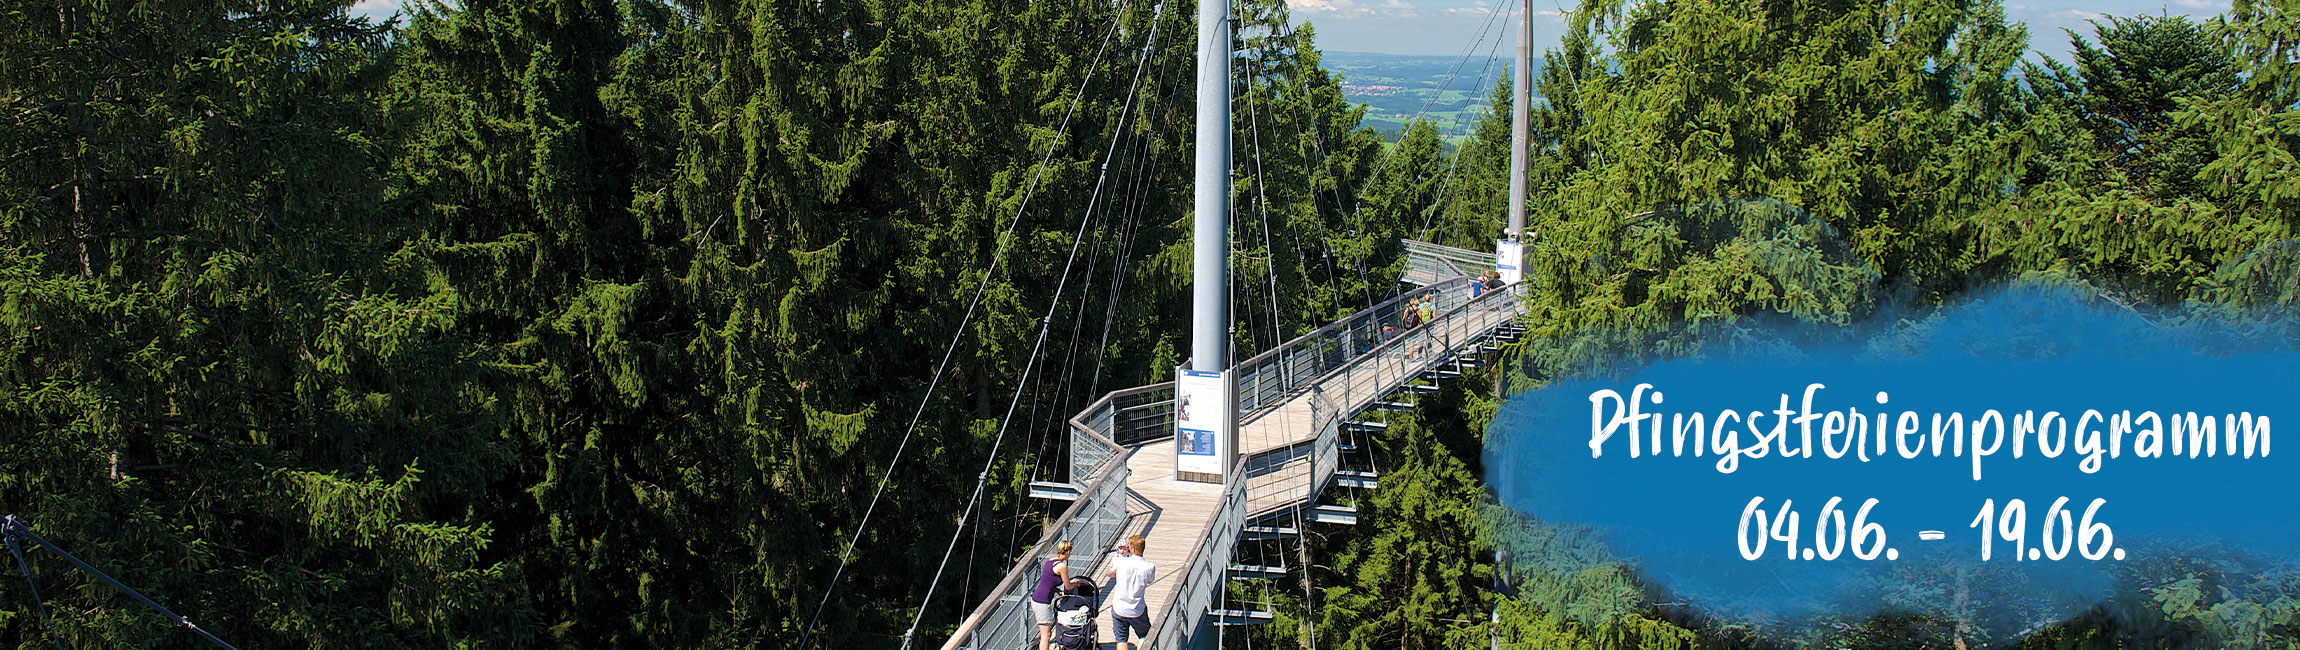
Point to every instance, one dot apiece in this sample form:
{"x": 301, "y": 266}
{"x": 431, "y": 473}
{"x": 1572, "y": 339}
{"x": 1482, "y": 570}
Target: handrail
{"x": 1003, "y": 621}
{"x": 1103, "y": 427}
{"x": 1427, "y": 262}
{"x": 1401, "y": 359}
{"x": 1273, "y": 486}
{"x": 1265, "y": 379}
{"x": 1263, "y": 482}
{"x": 1209, "y": 560}
{"x": 1410, "y": 351}
{"x": 1461, "y": 258}
{"x": 1266, "y": 482}
{"x": 1330, "y": 326}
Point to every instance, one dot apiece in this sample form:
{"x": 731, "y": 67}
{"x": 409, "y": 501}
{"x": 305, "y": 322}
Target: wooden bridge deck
{"x": 1173, "y": 514}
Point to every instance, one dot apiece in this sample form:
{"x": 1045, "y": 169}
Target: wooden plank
{"x": 1175, "y": 514}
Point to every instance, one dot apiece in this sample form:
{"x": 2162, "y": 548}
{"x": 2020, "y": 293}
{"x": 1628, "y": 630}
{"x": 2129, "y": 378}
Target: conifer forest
{"x": 608, "y": 323}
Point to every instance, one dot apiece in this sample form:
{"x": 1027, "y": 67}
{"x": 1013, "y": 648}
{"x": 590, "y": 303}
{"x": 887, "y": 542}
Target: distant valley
{"x": 1450, "y": 92}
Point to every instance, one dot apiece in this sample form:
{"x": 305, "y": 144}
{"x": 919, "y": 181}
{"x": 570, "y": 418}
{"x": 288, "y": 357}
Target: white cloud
{"x": 1327, "y": 8}
{"x": 374, "y": 10}
{"x": 1351, "y": 10}
{"x": 1443, "y": 27}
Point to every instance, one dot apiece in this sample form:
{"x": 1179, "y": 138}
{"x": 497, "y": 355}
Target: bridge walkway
{"x": 1291, "y": 402}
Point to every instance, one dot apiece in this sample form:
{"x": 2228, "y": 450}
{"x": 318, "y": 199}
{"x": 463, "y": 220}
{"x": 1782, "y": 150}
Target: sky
{"x": 1450, "y": 27}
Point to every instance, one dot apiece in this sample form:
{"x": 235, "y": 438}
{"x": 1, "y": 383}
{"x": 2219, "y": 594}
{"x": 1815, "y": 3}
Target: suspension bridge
{"x": 1294, "y": 402}
{"x": 1139, "y": 464}
{"x": 1268, "y": 436}
{"x": 1235, "y": 452}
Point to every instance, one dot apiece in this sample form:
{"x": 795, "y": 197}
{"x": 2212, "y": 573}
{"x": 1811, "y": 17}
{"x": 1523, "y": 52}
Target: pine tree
{"x": 2115, "y": 194}
{"x": 1417, "y": 576}
{"x": 202, "y": 319}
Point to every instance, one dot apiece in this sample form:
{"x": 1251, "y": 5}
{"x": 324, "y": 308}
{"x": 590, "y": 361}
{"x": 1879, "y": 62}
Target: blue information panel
{"x": 1196, "y": 442}
{"x": 1203, "y": 431}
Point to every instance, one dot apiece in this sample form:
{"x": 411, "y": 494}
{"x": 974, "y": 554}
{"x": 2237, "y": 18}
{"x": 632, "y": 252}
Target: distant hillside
{"x": 1448, "y": 91}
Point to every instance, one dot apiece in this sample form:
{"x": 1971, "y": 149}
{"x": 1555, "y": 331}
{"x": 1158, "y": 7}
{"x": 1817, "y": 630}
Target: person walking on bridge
{"x": 1129, "y": 576}
{"x": 1051, "y": 575}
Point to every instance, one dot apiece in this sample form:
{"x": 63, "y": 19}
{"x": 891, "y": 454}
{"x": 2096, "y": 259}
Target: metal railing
{"x": 1120, "y": 419}
{"x": 1209, "y": 566}
{"x": 1267, "y": 482}
{"x": 1287, "y": 477}
{"x": 1092, "y": 522}
{"x": 1370, "y": 376}
{"x": 1269, "y": 378}
{"x": 1427, "y": 263}
{"x": 1279, "y": 479}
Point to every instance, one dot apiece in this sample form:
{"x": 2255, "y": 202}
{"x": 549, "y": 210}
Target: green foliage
{"x": 2200, "y": 596}
{"x": 599, "y": 323}
{"x": 2122, "y": 200}
{"x": 2145, "y": 68}
{"x": 1701, "y": 164}
{"x": 2255, "y": 131}
{"x": 1413, "y": 580}
{"x": 1308, "y": 247}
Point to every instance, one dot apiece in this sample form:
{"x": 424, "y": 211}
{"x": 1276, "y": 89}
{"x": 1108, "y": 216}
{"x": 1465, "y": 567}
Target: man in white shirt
{"x": 1129, "y": 576}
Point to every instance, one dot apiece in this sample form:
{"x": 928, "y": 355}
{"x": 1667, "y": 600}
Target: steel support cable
{"x": 1044, "y": 328}
{"x": 1261, "y": 189}
{"x": 1062, "y": 393}
{"x": 1066, "y": 383}
{"x": 14, "y": 530}
{"x": 1130, "y": 228}
{"x": 1270, "y": 52}
{"x": 1267, "y": 51}
{"x": 1137, "y": 205}
{"x": 1061, "y": 402}
{"x": 1430, "y": 214}
{"x": 1085, "y": 299}
{"x": 1381, "y": 164}
{"x": 967, "y": 587}
{"x": 1491, "y": 18}
{"x": 1078, "y": 320}
{"x": 1310, "y": 477}
{"x": 1311, "y": 127}
{"x": 1128, "y": 169}
{"x": 1302, "y": 537}
{"x": 1037, "y": 421}
{"x": 38, "y": 603}
{"x": 1316, "y": 131}
{"x": 1121, "y": 250}
{"x": 1005, "y": 240}
{"x": 1262, "y": 205}
{"x": 1014, "y": 521}
{"x": 1037, "y": 444}
{"x": 1301, "y": 532}
{"x": 1236, "y": 247}
{"x": 1138, "y": 159}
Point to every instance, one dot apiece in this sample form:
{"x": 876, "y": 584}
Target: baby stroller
{"x": 1074, "y": 616}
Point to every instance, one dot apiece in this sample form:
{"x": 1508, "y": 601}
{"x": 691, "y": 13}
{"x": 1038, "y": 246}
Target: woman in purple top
{"x": 1051, "y": 575}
